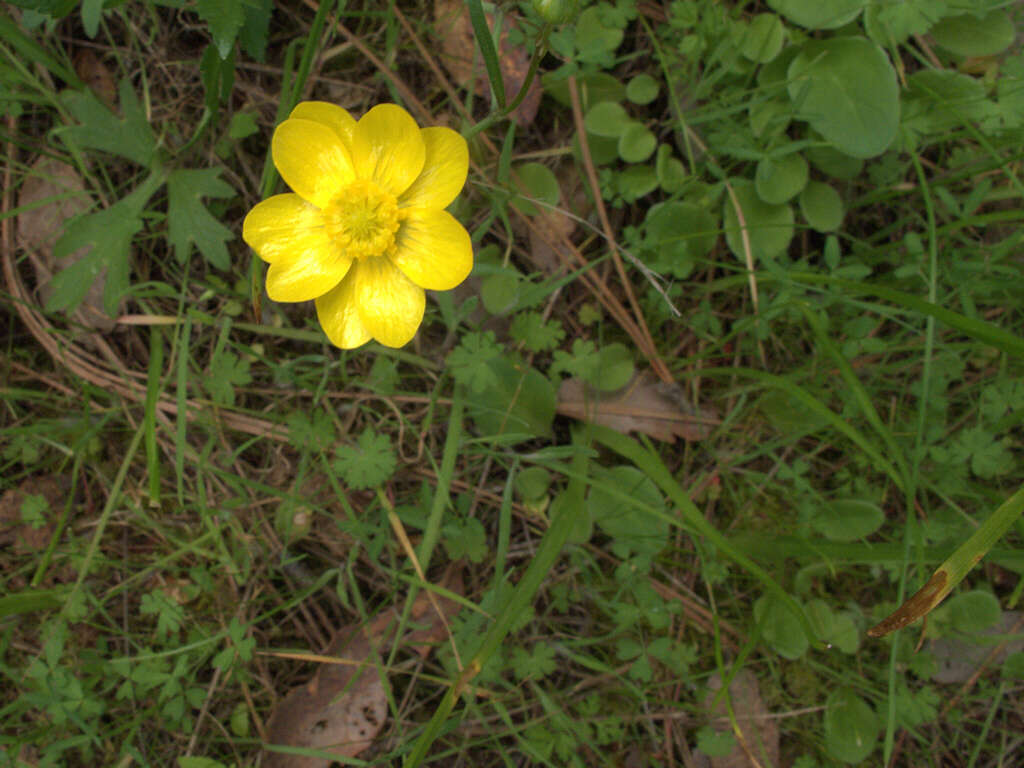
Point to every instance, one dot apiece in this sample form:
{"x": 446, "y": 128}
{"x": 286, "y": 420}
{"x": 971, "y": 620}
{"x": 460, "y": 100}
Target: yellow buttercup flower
{"x": 365, "y": 230}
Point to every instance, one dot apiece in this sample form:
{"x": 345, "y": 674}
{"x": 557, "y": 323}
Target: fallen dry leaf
{"x": 760, "y": 731}
{"x": 461, "y": 58}
{"x": 52, "y": 194}
{"x": 96, "y": 76}
{"x": 644, "y": 405}
{"x": 342, "y": 709}
{"x": 25, "y": 536}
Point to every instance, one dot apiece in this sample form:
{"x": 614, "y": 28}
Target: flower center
{"x": 363, "y": 219}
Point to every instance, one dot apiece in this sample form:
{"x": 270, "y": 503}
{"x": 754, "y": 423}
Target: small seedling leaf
{"x": 851, "y": 727}
{"x": 822, "y": 207}
{"x": 778, "y": 180}
{"x": 607, "y": 119}
{"x": 770, "y": 227}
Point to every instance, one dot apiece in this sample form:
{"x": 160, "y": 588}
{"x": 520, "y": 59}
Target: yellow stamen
{"x": 363, "y": 219}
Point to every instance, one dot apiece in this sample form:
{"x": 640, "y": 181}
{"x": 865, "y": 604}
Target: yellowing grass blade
{"x": 952, "y": 572}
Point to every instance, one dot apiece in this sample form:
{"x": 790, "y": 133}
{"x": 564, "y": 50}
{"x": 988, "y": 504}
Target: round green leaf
{"x": 615, "y": 367}
{"x": 532, "y": 483}
{"x": 819, "y": 14}
{"x": 846, "y": 89}
{"x": 834, "y": 163}
{"x": 602, "y": 149}
{"x": 631, "y": 528}
{"x": 974, "y": 611}
{"x": 671, "y": 172}
{"x": 834, "y": 629}
{"x": 676, "y": 234}
{"x": 848, "y": 519}
{"x": 537, "y": 181}
{"x": 636, "y": 181}
{"x": 780, "y": 627}
{"x": 764, "y": 38}
{"x": 636, "y": 143}
{"x": 851, "y": 726}
{"x": 770, "y": 227}
{"x": 593, "y": 87}
{"x": 608, "y": 119}
{"x": 779, "y": 179}
{"x": 500, "y": 292}
{"x": 822, "y": 207}
{"x": 970, "y": 35}
{"x": 594, "y": 40}
{"x": 642, "y": 89}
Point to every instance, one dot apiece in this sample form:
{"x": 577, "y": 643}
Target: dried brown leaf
{"x": 644, "y": 405}
{"x": 53, "y": 193}
{"x": 760, "y": 731}
{"x": 20, "y": 536}
{"x": 462, "y": 60}
{"x": 95, "y": 74}
{"x": 341, "y": 710}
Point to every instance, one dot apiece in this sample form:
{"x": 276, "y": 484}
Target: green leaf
{"x": 941, "y": 100}
{"x": 227, "y": 371}
{"x": 642, "y": 89}
{"x": 974, "y": 611}
{"x": 98, "y": 128}
{"x": 636, "y": 143}
{"x": 537, "y": 181}
{"x": 630, "y": 526}
{"x": 636, "y": 182}
{"x": 469, "y": 362}
{"x": 671, "y": 173}
{"x": 893, "y": 22}
{"x": 676, "y": 235}
{"x": 466, "y": 538}
{"x": 833, "y": 629}
{"x": 225, "y": 19}
{"x": 764, "y": 38}
{"x": 532, "y": 483}
{"x": 770, "y": 227}
{"x": 367, "y": 464}
{"x": 519, "y": 400}
{"x": 819, "y": 14}
{"x": 485, "y": 42}
{"x": 848, "y": 519}
{"x": 109, "y": 234}
{"x": 253, "y": 35}
{"x": 595, "y": 41}
{"x": 614, "y": 367}
{"x": 846, "y": 89}
{"x": 715, "y": 743}
{"x": 499, "y": 292}
{"x": 780, "y": 627}
{"x": 778, "y": 180}
{"x": 218, "y": 76}
{"x": 536, "y": 333}
{"x": 851, "y": 727}
{"x": 834, "y": 163}
{"x": 608, "y": 119}
{"x": 189, "y": 222}
{"x": 971, "y": 35}
{"x": 822, "y": 207}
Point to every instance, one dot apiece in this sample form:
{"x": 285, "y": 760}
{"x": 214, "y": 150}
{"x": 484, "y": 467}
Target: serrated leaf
{"x": 227, "y": 371}
{"x": 253, "y": 35}
{"x": 109, "y": 234}
{"x": 189, "y": 222}
{"x": 98, "y": 128}
{"x": 368, "y": 463}
{"x": 225, "y": 19}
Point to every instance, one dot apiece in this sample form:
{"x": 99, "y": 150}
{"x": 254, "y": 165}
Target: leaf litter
{"x": 340, "y": 711}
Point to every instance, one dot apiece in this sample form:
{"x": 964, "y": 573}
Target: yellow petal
{"x": 331, "y": 115}
{"x": 339, "y": 314}
{"x": 283, "y": 225}
{"x": 387, "y": 148}
{"x": 311, "y": 159}
{"x": 310, "y": 274}
{"x": 390, "y": 305}
{"x": 433, "y": 249}
{"x": 444, "y": 170}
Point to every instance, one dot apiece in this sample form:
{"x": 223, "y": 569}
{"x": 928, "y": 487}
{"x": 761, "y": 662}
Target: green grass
{"x": 200, "y": 501}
